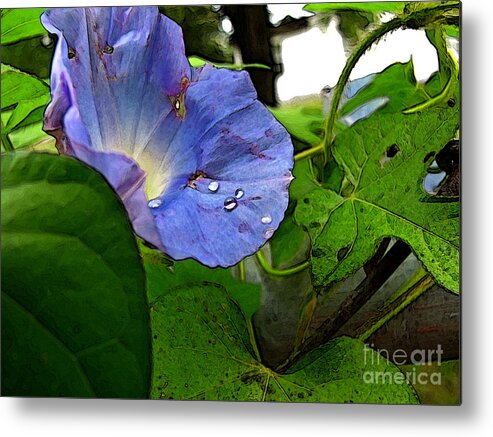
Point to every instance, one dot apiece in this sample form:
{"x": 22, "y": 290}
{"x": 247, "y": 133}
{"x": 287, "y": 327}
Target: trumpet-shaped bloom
{"x": 200, "y": 164}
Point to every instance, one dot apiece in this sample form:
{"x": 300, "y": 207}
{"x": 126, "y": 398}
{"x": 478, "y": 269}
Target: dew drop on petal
{"x": 269, "y": 232}
{"x": 154, "y": 203}
{"x": 239, "y": 193}
{"x": 177, "y": 104}
{"x": 230, "y": 203}
{"x": 266, "y": 219}
{"x": 213, "y": 186}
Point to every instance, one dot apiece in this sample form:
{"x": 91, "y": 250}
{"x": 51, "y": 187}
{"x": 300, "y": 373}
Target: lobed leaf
{"x": 385, "y": 159}
{"x": 201, "y": 350}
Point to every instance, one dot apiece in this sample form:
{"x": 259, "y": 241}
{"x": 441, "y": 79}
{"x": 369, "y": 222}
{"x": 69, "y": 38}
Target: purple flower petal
{"x": 125, "y": 101}
{"x": 127, "y": 179}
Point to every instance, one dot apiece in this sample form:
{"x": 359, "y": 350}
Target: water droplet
{"x": 269, "y": 232}
{"x": 213, "y": 186}
{"x": 177, "y": 105}
{"x": 154, "y": 203}
{"x": 266, "y": 219}
{"x": 108, "y": 50}
{"x": 230, "y": 203}
{"x": 71, "y": 53}
{"x": 239, "y": 193}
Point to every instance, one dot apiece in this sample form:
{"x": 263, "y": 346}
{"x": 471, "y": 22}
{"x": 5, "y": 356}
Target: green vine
{"x": 280, "y": 272}
{"x": 414, "y": 20}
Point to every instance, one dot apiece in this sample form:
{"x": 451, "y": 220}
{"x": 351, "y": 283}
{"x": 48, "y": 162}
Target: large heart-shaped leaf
{"x": 74, "y": 313}
{"x": 385, "y": 159}
{"x": 202, "y": 351}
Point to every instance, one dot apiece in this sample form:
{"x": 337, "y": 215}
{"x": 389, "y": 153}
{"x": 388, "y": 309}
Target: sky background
{"x": 315, "y": 59}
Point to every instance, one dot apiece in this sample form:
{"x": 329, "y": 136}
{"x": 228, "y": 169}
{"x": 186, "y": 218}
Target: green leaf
{"x": 23, "y": 92}
{"x": 304, "y": 180}
{"x": 374, "y": 7}
{"x": 416, "y": 6}
{"x": 452, "y": 31}
{"x": 384, "y": 196}
{"x": 290, "y": 242}
{"x": 161, "y": 277}
{"x": 74, "y": 313}
{"x": 20, "y": 24}
{"x": 304, "y": 120}
{"x": 32, "y": 55}
{"x": 32, "y": 138}
{"x": 197, "y": 61}
{"x": 397, "y": 82}
{"x": 441, "y": 384}
{"x": 201, "y": 350}
{"x": 201, "y": 26}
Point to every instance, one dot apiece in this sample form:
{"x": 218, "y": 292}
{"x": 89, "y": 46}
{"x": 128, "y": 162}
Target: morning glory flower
{"x": 200, "y": 164}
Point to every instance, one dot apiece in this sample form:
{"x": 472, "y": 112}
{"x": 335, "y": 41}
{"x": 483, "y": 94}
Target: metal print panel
{"x": 233, "y": 203}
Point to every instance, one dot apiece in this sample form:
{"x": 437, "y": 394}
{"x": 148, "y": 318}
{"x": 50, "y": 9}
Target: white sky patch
{"x": 278, "y": 12}
{"x": 399, "y": 46}
{"x": 313, "y": 60}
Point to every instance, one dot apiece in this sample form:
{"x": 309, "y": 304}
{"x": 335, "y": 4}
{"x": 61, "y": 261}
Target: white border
{"x": 62, "y": 417}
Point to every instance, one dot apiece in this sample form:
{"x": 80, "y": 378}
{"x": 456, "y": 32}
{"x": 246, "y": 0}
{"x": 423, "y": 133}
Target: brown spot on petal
{"x": 178, "y": 101}
{"x": 197, "y": 176}
{"x": 244, "y": 227}
{"x": 107, "y": 50}
{"x": 255, "y": 149}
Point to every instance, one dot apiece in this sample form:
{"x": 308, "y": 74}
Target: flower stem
{"x": 280, "y": 272}
{"x": 413, "y": 20}
{"x": 308, "y": 153}
{"x": 420, "y": 282}
{"x": 241, "y": 271}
